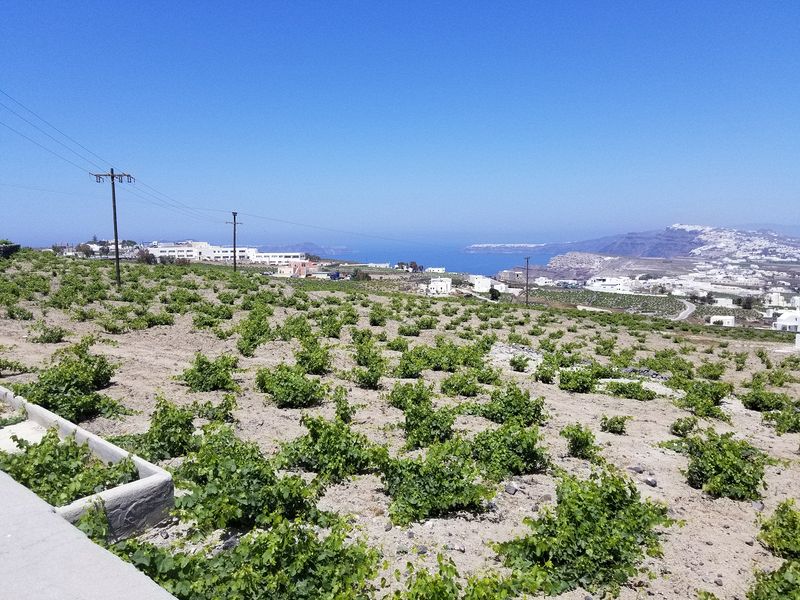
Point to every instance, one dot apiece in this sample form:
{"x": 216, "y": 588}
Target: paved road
{"x": 686, "y": 312}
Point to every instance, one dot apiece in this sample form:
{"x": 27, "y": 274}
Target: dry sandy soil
{"x": 715, "y": 549}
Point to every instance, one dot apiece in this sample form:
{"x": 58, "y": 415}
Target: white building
{"x": 795, "y": 302}
{"x": 609, "y": 284}
{"x": 482, "y": 284}
{"x": 788, "y": 321}
{"x": 774, "y": 299}
{"x": 723, "y": 320}
{"x": 435, "y": 270}
{"x": 203, "y": 251}
{"x": 440, "y": 286}
{"x": 724, "y": 302}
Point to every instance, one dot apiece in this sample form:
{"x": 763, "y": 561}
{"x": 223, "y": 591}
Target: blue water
{"x": 453, "y": 258}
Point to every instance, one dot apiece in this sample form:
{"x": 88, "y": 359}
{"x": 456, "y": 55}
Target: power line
{"x": 57, "y": 141}
{"x": 10, "y": 97}
{"x": 53, "y": 152}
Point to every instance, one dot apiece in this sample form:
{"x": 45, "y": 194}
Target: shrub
{"x": 60, "y": 472}
{"x": 595, "y": 538}
{"x": 510, "y": 449}
{"x": 331, "y": 449}
{"x": 18, "y": 313}
{"x": 777, "y": 585}
{"x": 785, "y": 420}
{"x": 313, "y": 357}
{"x": 463, "y": 383}
{"x": 230, "y": 484}
{"x": 545, "y": 373}
{"x": 441, "y": 482}
{"x": 412, "y": 363}
{"x": 424, "y": 425}
{"x": 580, "y": 381}
{"x": 12, "y": 366}
{"x": 399, "y": 344}
{"x": 222, "y": 412}
{"x": 632, "y": 390}
{"x": 513, "y": 404}
{"x": 404, "y": 395}
{"x": 290, "y": 387}
{"x": 781, "y": 532}
{"x": 408, "y": 329}
{"x": 723, "y": 466}
{"x": 286, "y": 560}
{"x": 207, "y": 375}
{"x": 69, "y": 387}
{"x": 761, "y": 400}
{"x": 683, "y": 426}
{"x": 42, "y": 333}
{"x": 580, "y": 441}
{"x": 703, "y": 398}
{"x": 378, "y": 315}
{"x": 615, "y": 425}
{"x": 170, "y": 433}
{"x": 710, "y": 370}
{"x": 254, "y": 329}
{"x": 519, "y": 363}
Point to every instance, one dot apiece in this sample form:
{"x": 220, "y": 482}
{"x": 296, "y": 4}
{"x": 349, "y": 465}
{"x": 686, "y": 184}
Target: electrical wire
{"x": 53, "y": 152}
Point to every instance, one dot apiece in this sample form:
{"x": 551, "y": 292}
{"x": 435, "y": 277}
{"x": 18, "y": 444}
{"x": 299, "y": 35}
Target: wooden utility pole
{"x": 234, "y": 223}
{"x": 527, "y": 258}
{"x": 101, "y": 177}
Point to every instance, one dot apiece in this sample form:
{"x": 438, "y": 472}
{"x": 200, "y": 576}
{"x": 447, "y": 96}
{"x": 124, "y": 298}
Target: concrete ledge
{"x": 42, "y": 557}
{"x": 131, "y": 507}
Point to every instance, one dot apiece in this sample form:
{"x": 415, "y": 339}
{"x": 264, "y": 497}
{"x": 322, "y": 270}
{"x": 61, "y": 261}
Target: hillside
{"x": 675, "y": 241}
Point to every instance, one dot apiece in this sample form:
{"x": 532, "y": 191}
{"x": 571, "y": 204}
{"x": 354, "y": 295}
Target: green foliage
{"x": 510, "y": 449}
{"x": 633, "y": 390}
{"x": 42, "y": 333}
{"x": 399, "y": 344}
{"x": 781, "y": 532}
{"x": 711, "y": 370}
{"x": 782, "y": 584}
{"x": 722, "y": 466}
{"x": 69, "y": 387}
{"x": 332, "y": 450}
{"x": 762, "y": 400}
{"x": 313, "y": 357}
{"x": 222, "y": 412}
{"x": 424, "y": 425}
{"x": 683, "y": 426}
{"x": 412, "y": 363}
{"x": 615, "y": 424}
{"x": 8, "y": 366}
{"x": 580, "y": 441}
{"x": 378, "y": 315}
{"x": 519, "y": 363}
{"x": 408, "y": 329}
{"x": 668, "y": 361}
{"x": 230, "y": 484}
{"x": 254, "y": 330}
{"x": 462, "y": 383}
{"x": 595, "y": 538}
{"x": 703, "y": 398}
{"x": 441, "y": 482}
{"x": 60, "y": 472}
{"x": 545, "y": 372}
{"x": 18, "y": 313}
{"x": 288, "y": 560}
{"x": 207, "y": 375}
{"x": 581, "y": 381}
{"x": 17, "y": 417}
{"x": 512, "y": 403}
{"x": 170, "y": 434}
{"x": 785, "y": 420}
{"x": 405, "y": 395}
{"x": 290, "y": 387}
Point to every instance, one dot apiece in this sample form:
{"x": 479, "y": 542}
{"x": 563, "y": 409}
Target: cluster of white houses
{"x": 203, "y": 251}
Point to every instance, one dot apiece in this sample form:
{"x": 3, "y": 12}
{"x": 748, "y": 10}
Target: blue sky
{"x": 454, "y": 121}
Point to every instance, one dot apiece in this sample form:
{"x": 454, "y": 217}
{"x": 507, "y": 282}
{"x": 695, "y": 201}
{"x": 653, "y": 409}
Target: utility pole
{"x": 100, "y": 177}
{"x": 527, "y": 258}
{"x": 234, "y": 223}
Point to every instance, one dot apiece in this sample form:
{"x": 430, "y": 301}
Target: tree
{"x": 359, "y": 275}
{"x": 143, "y": 256}
{"x": 105, "y": 250}
{"x": 494, "y": 294}
{"x": 84, "y": 249}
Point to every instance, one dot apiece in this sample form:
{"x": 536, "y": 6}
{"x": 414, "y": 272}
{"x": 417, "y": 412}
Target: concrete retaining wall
{"x": 131, "y": 507}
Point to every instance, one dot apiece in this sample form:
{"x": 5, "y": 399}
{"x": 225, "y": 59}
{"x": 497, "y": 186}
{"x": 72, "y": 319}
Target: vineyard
{"x": 342, "y": 440}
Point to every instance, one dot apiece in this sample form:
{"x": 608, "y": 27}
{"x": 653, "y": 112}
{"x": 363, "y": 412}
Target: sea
{"x": 454, "y": 258}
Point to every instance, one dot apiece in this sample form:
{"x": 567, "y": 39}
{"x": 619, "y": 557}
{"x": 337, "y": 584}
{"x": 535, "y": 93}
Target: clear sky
{"x": 455, "y": 121}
